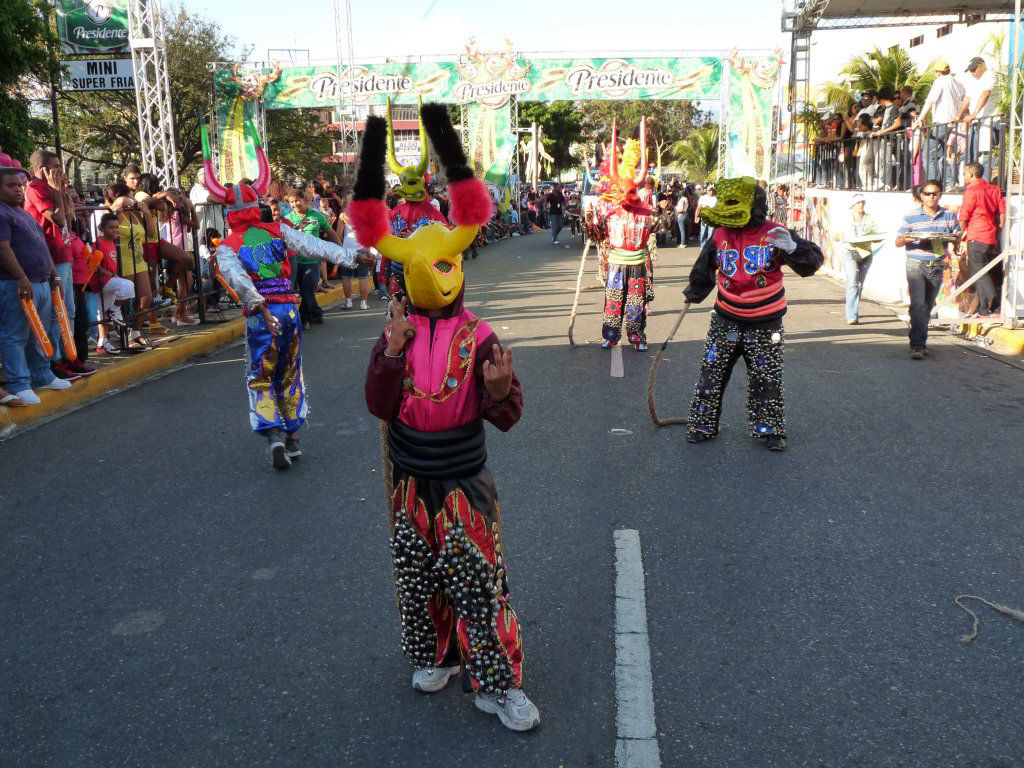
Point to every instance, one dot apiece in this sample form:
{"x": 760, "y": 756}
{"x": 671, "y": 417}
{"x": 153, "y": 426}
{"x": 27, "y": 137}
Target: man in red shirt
{"x": 44, "y": 201}
{"x": 982, "y": 215}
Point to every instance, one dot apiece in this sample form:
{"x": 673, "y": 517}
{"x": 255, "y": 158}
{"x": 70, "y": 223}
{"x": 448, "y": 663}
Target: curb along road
{"x": 132, "y": 371}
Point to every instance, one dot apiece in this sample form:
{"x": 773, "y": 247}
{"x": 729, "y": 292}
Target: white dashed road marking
{"x": 636, "y": 745}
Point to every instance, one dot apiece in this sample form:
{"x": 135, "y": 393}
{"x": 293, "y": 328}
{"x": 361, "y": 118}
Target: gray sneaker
{"x": 512, "y": 707}
{"x": 278, "y": 454}
{"x": 433, "y": 679}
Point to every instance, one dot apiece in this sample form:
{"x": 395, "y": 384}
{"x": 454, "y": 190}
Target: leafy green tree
{"x": 24, "y": 35}
{"x": 668, "y": 122}
{"x": 297, "y": 144}
{"x": 877, "y": 69}
{"x": 102, "y": 127}
{"x": 697, "y": 154}
{"x": 560, "y": 121}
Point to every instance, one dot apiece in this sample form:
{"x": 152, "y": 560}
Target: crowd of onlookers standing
{"x": 887, "y": 141}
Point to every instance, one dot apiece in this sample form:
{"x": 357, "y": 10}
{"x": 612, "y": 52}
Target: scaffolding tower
{"x": 152, "y": 92}
{"x": 348, "y": 140}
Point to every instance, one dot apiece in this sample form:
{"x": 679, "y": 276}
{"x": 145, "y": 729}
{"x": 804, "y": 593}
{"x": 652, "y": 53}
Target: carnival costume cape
{"x": 629, "y": 284}
{"x": 415, "y": 210}
{"x": 744, "y": 258}
{"x": 449, "y": 564}
{"x": 254, "y": 262}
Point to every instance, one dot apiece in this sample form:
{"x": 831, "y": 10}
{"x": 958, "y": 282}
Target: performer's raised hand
{"x": 273, "y": 324}
{"x": 401, "y": 328}
{"x": 498, "y": 374}
{"x": 781, "y": 239}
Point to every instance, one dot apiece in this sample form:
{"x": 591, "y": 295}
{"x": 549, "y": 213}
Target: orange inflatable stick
{"x": 95, "y": 257}
{"x": 38, "y": 329}
{"x": 67, "y": 335}
{"x": 219, "y": 276}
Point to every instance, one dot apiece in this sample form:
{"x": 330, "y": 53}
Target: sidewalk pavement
{"x": 128, "y": 369}
{"x": 1004, "y": 341}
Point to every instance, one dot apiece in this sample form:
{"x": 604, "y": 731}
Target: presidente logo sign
{"x": 615, "y": 78}
{"x": 317, "y": 86}
{"x": 491, "y": 79}
{"x": 88, "y": 26}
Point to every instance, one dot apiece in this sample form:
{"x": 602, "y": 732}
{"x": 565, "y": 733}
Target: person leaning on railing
{"x": 943, "y": 104}
{"x": 977, "y": 110}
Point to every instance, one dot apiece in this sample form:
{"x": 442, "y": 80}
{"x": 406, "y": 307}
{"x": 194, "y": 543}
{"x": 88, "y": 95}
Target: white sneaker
{"x": 57, "y": 383}
{"x": 28, "y": 397}
{"x": 513, "y": 709}
{"x": 432, "y": 679}
{"x": 554, "y": 242}
{"x": 348, "y": 303}
{"x": 363, "y": 304}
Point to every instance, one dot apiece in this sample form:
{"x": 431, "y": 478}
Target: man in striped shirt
{"x": 926, "y": 232}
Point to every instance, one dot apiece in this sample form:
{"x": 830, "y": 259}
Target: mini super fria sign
{"x": 99, "y": 75}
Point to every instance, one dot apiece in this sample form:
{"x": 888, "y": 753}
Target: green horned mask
{"x": 735, "y": 203}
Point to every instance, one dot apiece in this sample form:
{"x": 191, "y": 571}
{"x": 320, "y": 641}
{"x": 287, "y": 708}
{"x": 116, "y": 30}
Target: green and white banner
{"x": 92, "y": 26}
{"x": 480, "y": 80}
{"x": 749, "y": 124}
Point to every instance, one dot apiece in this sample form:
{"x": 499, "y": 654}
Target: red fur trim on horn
{"x": 471, "y": 203}
{"x": 369, "y": 219}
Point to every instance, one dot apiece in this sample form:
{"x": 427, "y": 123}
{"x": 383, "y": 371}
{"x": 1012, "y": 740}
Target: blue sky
{"x": 417, "y": 27}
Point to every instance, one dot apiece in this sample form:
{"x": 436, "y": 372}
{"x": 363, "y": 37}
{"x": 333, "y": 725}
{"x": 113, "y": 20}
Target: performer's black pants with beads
{"x": 450, "y": 578}
{"x": 761, "y": 349}
{"x": 628, "y": 290}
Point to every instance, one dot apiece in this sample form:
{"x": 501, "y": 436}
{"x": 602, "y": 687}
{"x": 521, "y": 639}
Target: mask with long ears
{"x": 624, "y": 176}
{"x": 237, "y": 197}
{"x": 432, "y": 256}
{"x": 412, "y": 177}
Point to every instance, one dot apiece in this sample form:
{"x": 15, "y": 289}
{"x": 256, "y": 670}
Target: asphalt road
{"x": 169, "y": 600}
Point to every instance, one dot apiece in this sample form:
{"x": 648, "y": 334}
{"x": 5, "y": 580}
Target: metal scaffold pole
{"x": 348, "y": 144}
{"x": 152, "y": 90}
{"x": 1012, "y": 289}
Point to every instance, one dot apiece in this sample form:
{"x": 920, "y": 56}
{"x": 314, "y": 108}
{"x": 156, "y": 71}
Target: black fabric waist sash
{"x": 451, "y": 453}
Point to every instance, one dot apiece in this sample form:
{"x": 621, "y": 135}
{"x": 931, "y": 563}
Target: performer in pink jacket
{"x": 435, "y": 376}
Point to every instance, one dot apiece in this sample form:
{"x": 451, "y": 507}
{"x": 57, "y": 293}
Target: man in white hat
{"x": 943, "y": 103}
{"x": 857, "y": 255}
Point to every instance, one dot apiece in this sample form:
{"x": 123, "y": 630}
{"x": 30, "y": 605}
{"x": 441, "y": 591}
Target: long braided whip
{"x": 579, "y": 285}
{"x": 385, "y": 462}
{"x": 1003, "y": 609}
{"x": 658, "y": 422}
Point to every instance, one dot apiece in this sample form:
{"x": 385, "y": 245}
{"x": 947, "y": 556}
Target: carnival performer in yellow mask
{"x": 415, "y": 210}
{"x": 434, "y": 378}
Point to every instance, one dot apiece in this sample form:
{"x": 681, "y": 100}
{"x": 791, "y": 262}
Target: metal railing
{"x": 205, "y": 290}
{"x": 907, "y": 157}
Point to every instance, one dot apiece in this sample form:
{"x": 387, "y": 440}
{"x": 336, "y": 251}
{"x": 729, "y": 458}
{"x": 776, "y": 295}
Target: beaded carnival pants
{"x": 450, "y": 579}
{"x": 277, "y": 398}
{"x": 761, "y": 349}
{"x": 628, "y": 291}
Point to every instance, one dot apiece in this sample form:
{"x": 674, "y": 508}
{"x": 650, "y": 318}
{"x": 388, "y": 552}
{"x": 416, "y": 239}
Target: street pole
{"x": 53, "y": 88}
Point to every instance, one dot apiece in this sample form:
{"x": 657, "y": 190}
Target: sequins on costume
{"x": 450, "y": 579}
{"x": 628, "y": 291}
{"x": 277, "y": 397}
{"x": 761, "y": 350}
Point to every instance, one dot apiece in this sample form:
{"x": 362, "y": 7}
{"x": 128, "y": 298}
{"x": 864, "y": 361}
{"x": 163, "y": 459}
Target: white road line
{"x": 617, "y": 370}
{"x": 636, "y": 745}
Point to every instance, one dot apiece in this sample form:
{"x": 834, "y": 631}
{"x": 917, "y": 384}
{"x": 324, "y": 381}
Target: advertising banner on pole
{"x": 92, "y": 26}
{"x": 99, "y": 75}
{"x": 749, "y": 124}
{"x": 491, "y": 142}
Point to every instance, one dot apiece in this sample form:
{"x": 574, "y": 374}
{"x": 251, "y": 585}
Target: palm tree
{"x": 1002, "y": 93}
{"x": 697, "y": 154}
{"x": 875, "y": 70}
